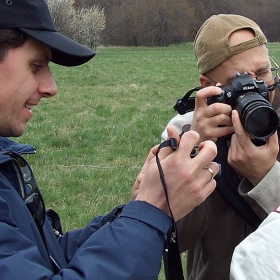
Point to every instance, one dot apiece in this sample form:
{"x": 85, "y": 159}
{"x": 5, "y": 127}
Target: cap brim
{"x": 65, "y": 51}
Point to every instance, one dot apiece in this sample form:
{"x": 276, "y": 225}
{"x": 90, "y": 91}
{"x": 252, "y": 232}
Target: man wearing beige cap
{"x": 228, "y": 48}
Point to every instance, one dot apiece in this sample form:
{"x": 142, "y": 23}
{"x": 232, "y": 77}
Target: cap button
{"x": 9, "y": 2}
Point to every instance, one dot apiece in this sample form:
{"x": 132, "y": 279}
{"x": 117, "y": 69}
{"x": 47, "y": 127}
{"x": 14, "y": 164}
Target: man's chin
{"x": 12, "y": 128}
{"x": 17, "y": 132}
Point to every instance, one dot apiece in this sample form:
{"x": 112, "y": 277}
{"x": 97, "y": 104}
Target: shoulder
{"x": 256, "y": 256}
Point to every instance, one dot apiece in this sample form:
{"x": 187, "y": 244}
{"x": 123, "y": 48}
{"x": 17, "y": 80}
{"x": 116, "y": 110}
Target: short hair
{"x": 10, "y": 38}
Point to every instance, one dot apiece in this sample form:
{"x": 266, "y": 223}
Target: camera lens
{"x": 259, "y": 119}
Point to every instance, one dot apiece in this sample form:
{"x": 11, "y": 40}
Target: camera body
{"x": 250, "y": 98}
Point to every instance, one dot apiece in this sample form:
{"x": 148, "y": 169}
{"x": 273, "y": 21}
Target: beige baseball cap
{"x": 211, "y": 45}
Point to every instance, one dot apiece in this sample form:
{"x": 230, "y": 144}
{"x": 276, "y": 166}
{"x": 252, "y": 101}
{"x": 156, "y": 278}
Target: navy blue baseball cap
{"x": 33, "y": 18}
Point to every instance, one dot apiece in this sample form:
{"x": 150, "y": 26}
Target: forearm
{"x": 130, "y": 247}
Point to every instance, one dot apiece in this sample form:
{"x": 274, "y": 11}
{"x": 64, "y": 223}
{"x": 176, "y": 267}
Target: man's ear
{"x": 205, "y": 81}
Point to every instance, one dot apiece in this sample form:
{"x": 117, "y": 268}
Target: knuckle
{"x": 216, "y": 106}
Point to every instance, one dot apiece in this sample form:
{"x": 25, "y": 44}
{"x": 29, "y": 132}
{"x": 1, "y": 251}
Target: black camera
{"x": 250, "y": 98}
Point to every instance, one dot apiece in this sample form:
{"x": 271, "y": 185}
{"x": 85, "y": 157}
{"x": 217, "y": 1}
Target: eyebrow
{"x": 267, "y": 67}
{"x": 43, "y": 55}
{"x": 46, "y": 57}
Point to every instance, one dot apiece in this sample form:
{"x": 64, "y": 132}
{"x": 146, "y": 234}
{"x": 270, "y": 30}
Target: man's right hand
{"x": 211, "y": 121}
{"x": 188, "y": 182}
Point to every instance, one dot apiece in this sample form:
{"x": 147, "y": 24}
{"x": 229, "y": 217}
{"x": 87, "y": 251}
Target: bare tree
{"x": 158, "y": 22}
{"x": 84, "y": 25}
{"x": 89, "y": 22}
{"x": 63, "y": 12}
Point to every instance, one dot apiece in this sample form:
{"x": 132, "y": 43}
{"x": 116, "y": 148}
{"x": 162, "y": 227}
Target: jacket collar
{"x": 8, "y": 145}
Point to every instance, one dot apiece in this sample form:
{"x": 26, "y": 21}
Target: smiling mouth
{"x": 29, "y": 107}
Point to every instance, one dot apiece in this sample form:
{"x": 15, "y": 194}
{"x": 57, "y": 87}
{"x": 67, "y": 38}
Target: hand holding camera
{"x": 250, "y": 98}
{"x": 188, "y": 182}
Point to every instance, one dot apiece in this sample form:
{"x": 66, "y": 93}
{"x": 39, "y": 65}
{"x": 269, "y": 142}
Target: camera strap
{"x": 171, "y": 256}
{"x": 228, "y": 187}
{"x": 187, "y": 102}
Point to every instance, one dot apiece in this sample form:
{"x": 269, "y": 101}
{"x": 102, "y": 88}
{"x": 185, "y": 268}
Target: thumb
{"x": 168, "y": 146}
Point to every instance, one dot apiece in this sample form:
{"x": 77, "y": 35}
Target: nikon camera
{"x": 250, "y": 98}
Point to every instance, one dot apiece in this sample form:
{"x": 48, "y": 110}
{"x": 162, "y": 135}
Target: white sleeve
{"x": 257, "y": 257}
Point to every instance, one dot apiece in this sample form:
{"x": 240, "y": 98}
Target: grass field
{"x": 93, "y": 137}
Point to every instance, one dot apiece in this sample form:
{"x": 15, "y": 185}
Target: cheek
{"x": 12, "y": 99}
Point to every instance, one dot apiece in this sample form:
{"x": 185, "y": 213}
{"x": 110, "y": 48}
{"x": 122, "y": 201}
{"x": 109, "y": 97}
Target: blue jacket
{"x": 130, "y": 247}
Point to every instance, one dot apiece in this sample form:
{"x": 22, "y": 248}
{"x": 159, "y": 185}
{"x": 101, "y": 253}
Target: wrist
{"x": 277, "y": 209}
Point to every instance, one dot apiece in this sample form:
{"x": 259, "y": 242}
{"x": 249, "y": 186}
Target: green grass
{"x": 93, "y": 137}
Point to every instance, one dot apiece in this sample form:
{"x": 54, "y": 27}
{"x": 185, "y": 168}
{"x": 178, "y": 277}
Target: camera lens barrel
{"x": 257, "y": 116}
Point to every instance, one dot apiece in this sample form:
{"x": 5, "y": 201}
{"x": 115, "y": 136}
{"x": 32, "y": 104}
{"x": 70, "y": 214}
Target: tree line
{"x": 157, "y": 22}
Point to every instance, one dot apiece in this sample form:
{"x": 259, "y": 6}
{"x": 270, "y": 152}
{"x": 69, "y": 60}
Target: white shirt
{"x": 257, "y": 257}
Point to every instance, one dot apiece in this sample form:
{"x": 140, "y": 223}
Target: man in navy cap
{"x": 128, "y": 242}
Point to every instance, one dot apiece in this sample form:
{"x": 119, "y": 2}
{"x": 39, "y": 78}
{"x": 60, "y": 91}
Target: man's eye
{"x": 263, "y": 74}
{"x": 36, "y": 67}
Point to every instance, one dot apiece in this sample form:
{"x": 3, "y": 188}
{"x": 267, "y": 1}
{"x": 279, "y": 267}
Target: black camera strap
{"x": 171, "y": 256}
{"x": 187, "y": 102}
{"x": 228, "y": 187}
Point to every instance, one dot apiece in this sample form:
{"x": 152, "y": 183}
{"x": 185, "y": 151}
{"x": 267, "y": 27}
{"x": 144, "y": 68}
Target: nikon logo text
{"x": 248, "y": 87}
